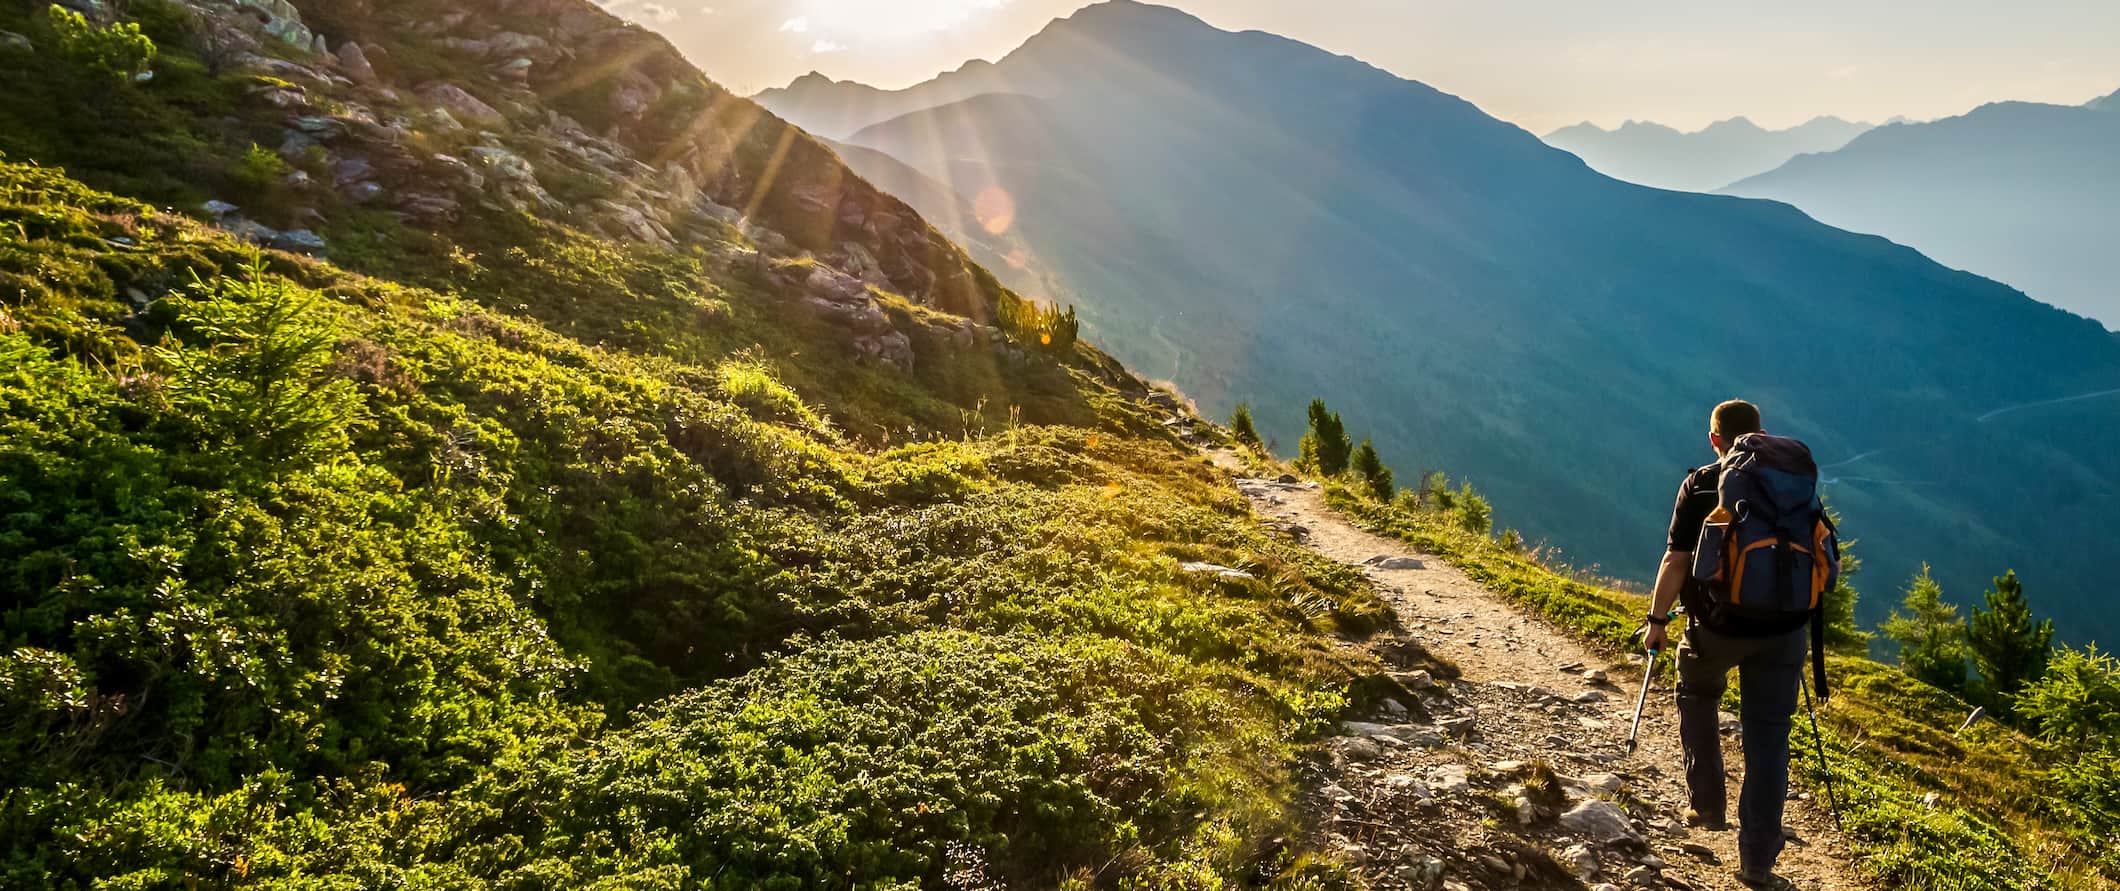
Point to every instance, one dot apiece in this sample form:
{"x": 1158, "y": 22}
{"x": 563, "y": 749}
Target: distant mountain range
{"x": 1722, "y": 153}
{"x": 836, "y": 109}
{"x": 1258, "y": 219}
{"x": 2026, "y": 192}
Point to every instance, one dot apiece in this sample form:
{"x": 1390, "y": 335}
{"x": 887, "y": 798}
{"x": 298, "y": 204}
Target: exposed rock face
{"x": 461, "y": 105}
{"x": 282, "y": 20}
{"x": 582, "y": 120}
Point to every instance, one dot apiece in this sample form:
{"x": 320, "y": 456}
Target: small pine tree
{"x": 1370, "y": 468}
{"x": 1240, "y": 425}
{"x": 1474, "y": 513}
{"x": 2008, "y": 647}
{"x": 1842, "y": 633}
{"x": 255, "y": 376}
{"x": 1930, "y": 635}
{"x": 1435, "y": 491}
{"x": 1325, "y": 449}
{"x": 1065, "y": 329}
{"x": 2076, "y": 703}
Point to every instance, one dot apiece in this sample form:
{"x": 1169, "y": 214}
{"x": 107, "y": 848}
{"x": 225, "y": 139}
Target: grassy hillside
{"x": 611, "y": 540}
{"x": 317, "y": 574}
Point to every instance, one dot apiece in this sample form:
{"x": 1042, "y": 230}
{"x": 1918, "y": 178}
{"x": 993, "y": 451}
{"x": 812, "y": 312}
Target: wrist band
{"x": 1655, "y": 619}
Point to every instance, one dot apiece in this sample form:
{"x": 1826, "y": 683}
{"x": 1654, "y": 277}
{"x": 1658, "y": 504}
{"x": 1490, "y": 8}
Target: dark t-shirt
{"x": 1696, "y": 500}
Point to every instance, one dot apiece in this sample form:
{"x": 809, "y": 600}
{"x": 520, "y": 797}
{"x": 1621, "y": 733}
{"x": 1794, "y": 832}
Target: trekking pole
{"x": 1818, "y": 736}
{"x": 1648, "y": 674}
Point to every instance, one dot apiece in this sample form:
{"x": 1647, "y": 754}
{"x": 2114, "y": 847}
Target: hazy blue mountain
{"x": 959, "y": 216}
{"x": 2020, "y": 191}
{"x": 2105, "y": 103}
{"x": 1721, "y": 153}
{"x": 1258, "y": 219}
{"x": 835, "y": 109}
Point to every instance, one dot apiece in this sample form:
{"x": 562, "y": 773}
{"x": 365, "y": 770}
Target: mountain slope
{"x": 1260, "y": 220}
{"x": 1722, "y": 153}
{"x": 2019, "y": 191}
{"x": 597, "y": 485}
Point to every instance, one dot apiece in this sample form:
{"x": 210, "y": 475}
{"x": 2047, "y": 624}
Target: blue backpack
{"x": 1768, "y": 549}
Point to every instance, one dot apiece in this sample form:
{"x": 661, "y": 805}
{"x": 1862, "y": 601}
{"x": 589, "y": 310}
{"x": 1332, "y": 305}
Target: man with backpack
{"x": 1751, "y": 554}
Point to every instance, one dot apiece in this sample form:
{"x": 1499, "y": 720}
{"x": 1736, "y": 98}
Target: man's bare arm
{"x": 1669, "y": 578}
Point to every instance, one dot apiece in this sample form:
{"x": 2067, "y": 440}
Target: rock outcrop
{"x": 554, "y": 108}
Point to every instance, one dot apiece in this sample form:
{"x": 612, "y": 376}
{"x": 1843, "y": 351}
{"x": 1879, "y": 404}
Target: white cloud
{"x": 659, "y": 14}
{"x": 826, "y": 46}
{"x": 796, "y": 25}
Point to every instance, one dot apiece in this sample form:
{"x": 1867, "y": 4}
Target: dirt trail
{"x": 1417, "y": 790}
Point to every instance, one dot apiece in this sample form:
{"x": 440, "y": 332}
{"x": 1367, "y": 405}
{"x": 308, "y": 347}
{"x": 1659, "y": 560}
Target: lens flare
{"x": 996, "y": 210}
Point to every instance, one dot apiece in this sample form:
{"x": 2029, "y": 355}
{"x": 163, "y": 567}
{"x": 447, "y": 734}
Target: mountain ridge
{"x": 1701, "y": 160}
{"x": 2016, "y": 190}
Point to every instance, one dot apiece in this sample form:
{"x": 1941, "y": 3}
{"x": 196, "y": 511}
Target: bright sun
{"x": 890, "y": 18}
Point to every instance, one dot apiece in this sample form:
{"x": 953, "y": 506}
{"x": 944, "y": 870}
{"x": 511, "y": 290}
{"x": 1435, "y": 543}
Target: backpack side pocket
{"x": 1711, "y": 557}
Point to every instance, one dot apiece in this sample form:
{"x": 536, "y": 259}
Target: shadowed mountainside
{"x": 1255, "y": 218}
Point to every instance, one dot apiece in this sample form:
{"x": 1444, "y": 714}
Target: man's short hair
{"x": 1734, "y": 418}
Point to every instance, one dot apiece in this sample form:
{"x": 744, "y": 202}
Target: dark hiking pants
{"x": 1768, "y": 671}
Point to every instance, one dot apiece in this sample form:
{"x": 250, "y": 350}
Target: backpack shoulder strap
{"x": 1818, "y": 651}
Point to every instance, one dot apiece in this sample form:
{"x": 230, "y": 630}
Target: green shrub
{"x": 261, "y": 174}
{"x": 894, "y": 761}
{"x": 751, "y": 384}
{"x": 114, "y": 54}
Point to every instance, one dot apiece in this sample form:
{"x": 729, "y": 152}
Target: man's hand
{"x": 1655, "y": 639}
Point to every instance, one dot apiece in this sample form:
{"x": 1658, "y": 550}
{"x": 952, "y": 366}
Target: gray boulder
{"x": 461, "y": 105}
{"x": 1395, "y": 563}
{"x": 354, "y": 61}
{"x": 300, "y": 241}
{"x": 454, "y": 171}
{"x": 893, "y": 349}
{"x": 1601, "y": 821}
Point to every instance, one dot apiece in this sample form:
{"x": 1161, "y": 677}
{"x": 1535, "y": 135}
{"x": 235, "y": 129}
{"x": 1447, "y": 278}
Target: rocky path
{"x": 1514, "y": 774}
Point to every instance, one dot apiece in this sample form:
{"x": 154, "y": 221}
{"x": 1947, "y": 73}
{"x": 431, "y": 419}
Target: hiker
{"x": 1740, "y": 556}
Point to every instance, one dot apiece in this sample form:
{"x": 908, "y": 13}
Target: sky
{"x": 1542, "y": 64}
